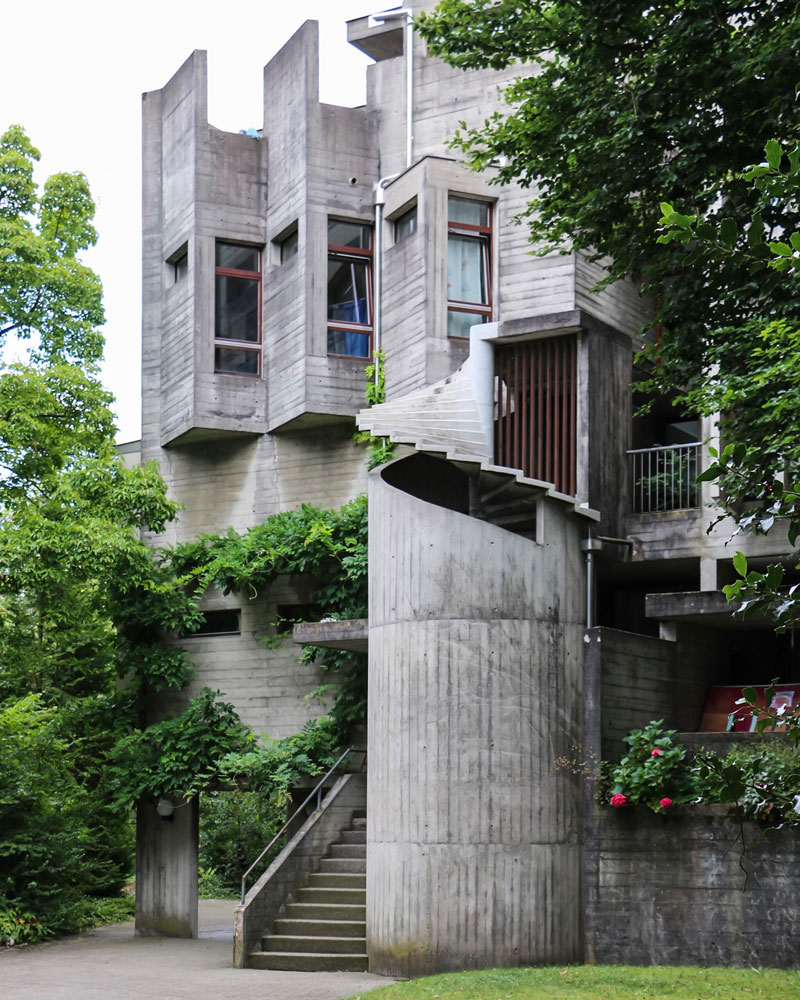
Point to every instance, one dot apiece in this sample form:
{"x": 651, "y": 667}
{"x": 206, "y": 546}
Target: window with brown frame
{"x": 349, "y": 289}
{"x": 237, "y": 310}
{"x": 469, "y": 264}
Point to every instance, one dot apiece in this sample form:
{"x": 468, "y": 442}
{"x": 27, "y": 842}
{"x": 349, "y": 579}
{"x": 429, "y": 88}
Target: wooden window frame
{"x": 253, "y": 347}
{"x": 483, "y": 235}
{"x": 338, "y": 252}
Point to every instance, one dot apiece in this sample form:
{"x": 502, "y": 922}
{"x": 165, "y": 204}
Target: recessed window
{"x": 469, "y": 246}
{"x": 405, "y": 225}
{"x": 237, "y": 310}
{"x": 290, "y": 614}
{"x": 225, "y": 622}
{"x": 349, "y": 289}
{"x": 289, "y": 246}
{"x": 178, "y": 264}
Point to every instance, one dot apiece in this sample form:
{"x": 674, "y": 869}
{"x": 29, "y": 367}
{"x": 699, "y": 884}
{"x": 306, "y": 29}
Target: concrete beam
{"x": 349, "y": 635}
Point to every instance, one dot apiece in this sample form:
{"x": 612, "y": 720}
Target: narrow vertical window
{"x": 469, "y": 264}
{"x": 349, "y": 289}
{"x": 237, "y": 310}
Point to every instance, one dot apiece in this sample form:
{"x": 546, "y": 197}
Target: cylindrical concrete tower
{"x": 474, "y": 854}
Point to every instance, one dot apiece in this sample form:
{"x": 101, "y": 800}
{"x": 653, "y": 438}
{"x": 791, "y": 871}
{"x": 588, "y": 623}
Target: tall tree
{"x": 621, "y": 105}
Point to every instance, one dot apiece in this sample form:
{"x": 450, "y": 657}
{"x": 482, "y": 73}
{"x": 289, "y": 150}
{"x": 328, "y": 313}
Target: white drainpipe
{"x": 380, "y": 188}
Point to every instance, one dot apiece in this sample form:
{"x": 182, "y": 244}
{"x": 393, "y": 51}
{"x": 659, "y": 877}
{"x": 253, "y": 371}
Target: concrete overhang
{"x": 349, "y": 635}
{"x": 376, "y": 40}
{"x": 699, "y": 607}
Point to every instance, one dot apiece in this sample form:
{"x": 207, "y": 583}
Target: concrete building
{"x": 540, "y": 573}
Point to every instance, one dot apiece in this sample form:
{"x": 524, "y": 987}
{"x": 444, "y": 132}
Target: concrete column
{"x": 166, "y": 870}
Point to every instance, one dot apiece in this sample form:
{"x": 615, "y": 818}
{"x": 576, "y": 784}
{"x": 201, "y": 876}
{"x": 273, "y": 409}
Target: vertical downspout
{"x": 409, "y": 89}
{"x": 589, "y": 546}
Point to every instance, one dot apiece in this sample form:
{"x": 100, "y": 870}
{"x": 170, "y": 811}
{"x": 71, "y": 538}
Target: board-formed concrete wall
{"x": 473, "y": 836}
{"x": 685, "y": 889}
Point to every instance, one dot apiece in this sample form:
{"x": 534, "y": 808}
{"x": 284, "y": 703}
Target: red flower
{"x": 665, "y": 803}
{"x": 617, "y": 801}
{"x": 656, "y": 752}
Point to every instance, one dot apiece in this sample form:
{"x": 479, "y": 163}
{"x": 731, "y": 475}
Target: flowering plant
{"x": 654, "y": 772}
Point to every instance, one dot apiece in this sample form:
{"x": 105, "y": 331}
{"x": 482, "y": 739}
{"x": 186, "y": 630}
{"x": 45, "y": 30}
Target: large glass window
{"x": 349, "y": 289}
{"x": 237, "y": 310}
{"x": 469, "y": 260}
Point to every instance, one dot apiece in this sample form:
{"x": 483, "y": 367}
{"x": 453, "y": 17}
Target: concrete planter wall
{"x": 675, "y": 889}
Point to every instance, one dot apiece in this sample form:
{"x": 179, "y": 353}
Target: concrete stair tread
{"x": 299, "y": 961}
{"x": 283, "y": 943}
{"x": 287, "y": 927}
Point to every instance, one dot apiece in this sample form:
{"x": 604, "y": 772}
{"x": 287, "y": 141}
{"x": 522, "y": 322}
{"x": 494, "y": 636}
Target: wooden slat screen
{"x": 535, "y": 409}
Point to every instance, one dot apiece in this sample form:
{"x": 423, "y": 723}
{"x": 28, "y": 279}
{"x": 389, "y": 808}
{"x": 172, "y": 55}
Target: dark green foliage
{"x": 44, "y": 868}
{"x": 654, "y": 772}
{"x": 178, "y": 757}
{"x": 234, "y": 828}
{"x": 762, "y": 781}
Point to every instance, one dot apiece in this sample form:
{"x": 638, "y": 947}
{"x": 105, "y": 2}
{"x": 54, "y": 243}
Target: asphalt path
{"x": 111, "y": 963}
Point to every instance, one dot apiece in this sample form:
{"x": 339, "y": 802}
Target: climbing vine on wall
{"x": 380, "y": 448}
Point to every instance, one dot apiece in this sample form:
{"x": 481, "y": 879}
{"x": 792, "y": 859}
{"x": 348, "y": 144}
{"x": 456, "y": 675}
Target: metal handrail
{"x": 316, "y": 791}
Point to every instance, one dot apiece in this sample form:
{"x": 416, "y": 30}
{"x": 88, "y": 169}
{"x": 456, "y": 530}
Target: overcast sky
{"x": 73, "y": 76}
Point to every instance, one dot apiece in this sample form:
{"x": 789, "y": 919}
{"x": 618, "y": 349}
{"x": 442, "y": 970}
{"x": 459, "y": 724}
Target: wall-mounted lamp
{"x": 165, "y": 809}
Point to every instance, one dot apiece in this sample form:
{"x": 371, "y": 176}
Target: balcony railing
{"x": 663, "y": 478}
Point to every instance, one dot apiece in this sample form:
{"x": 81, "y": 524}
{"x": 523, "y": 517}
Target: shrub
{"x": 654, "y": 772}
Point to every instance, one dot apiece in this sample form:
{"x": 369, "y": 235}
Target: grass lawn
{"x": 599, "y": 982}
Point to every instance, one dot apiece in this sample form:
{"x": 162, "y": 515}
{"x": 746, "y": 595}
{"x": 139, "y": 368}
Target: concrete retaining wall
{"x": 671, "y": 890}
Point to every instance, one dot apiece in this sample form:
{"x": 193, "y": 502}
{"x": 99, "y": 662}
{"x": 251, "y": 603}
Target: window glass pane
{"x": 347, "y": 290}
{"x": 236, "y": 308}
{"x": 405, "y": 225}
{"x": 458, "y": 323}
{"x": 180, "y": 267}
{"x": 239, "y": 258}
{"x": 473, "y": 213}
{"x": 351, "y": 343}
{"x": 466, "y": 269}
{"x": 348, "y": 234}
{"x": 234, "y": 361}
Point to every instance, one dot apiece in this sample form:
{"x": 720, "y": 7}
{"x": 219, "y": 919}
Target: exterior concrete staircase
{"x": 324, "y": 928}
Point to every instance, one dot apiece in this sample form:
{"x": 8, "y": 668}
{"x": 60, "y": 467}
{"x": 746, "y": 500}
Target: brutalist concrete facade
{"x": 477, "y": 605}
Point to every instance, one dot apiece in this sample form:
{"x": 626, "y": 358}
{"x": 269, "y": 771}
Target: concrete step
{"x": 348, "y": 850}
{"x": 326, "y": 894}
{"x": 324, "y": 911}
{"x": 337, "y": 880}
{"x": 314, "y": 944}
{"x": 354, "y": 836}
{"x": 330, "y": 865}
{"x": 321, "y": 928}
{"x": 359, "y": 822}
{"x": 295, "y": 961}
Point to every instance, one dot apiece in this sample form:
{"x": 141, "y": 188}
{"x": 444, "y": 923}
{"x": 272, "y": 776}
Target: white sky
{"x": 73, "y": 75}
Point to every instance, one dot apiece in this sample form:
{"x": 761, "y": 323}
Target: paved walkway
{"x": 111, "y": 964}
